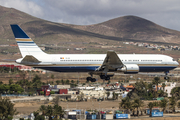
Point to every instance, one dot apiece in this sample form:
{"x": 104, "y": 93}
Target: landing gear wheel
{"x": 103, "y": 77}
{"x": 93, "y": 80}
{"x": 107, "y": 78}
{"x": 89, "y": 79}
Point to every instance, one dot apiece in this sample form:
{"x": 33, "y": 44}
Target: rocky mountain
{"x": 127, "y": 28}
{"x": 136, "y": 28}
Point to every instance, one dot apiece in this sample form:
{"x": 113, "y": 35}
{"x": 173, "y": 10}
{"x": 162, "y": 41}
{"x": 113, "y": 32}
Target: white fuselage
{"x": 90, "y": 62}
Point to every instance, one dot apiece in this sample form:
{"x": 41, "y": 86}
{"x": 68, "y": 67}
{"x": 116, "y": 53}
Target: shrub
{"x": 41, "y": 92}
{"x": 52, "y": 92}
{"x": 30, "y": 93}
{"x": 18, "y": 92}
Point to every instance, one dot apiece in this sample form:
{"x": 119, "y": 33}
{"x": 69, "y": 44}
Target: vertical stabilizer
{"x": 26, "y": 45}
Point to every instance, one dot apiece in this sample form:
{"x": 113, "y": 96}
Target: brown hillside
{"x": 129, "y": 28}
{"x": 132, "y": 27}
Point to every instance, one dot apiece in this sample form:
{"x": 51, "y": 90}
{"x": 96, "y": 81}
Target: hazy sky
{"x": 85, "y": 12}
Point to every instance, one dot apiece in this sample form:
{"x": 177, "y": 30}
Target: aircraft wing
{"x": 111, "y": 62}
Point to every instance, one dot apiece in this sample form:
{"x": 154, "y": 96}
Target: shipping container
{"x": 154, "y": 110}
{"x": 47, "y": 92}
{"x": 63, "y": 91}
{"x": 109, "y": 116}
{"x": 71, "y": 116}
{"x": 98, "y": 116}
{"x": 121, "y": 116}
{"x": 72, "y": 113}
{"x": 157, "y": 114}
{"x": 103, "y": 116}
{"x": 89, "y": 116}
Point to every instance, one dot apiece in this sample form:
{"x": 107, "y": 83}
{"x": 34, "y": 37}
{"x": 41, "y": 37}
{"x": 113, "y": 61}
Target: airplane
{"x": 104, "y": 65}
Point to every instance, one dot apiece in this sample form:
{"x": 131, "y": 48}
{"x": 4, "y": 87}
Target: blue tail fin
{"x": 18, "y": 32}
{"x": 25, "y": 43}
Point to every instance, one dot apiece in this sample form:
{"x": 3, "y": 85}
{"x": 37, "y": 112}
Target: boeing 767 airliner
{"x": 94, "y": 64}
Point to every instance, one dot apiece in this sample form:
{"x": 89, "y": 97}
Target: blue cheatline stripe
{"x": 18, "y": 32}
{"x": 155, "y": 68}
{"x": 27, "y": 45}
{"x": 93, "y": 68}
{"x": 25, "y": 42}
{"x": 70, "y": 69}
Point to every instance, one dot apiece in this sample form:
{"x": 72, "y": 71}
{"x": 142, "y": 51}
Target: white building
{"x": 93, "y": 93}
{"x": 86, "y": 88}
{"x": 99, "y": 88}
{"x": 169, "y": 86}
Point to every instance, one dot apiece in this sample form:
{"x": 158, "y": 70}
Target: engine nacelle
{"x": 129, "y": 69}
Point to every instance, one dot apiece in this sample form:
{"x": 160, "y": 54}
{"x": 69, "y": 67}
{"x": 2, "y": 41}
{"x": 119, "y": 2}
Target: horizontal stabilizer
{"x": 30, "y": 59}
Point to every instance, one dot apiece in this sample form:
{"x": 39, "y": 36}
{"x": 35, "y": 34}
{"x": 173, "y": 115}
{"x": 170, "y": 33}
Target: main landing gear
{"x": 101, "y": 76}
{"x": 105, "y": 77}
{"x": 90, "y": 79}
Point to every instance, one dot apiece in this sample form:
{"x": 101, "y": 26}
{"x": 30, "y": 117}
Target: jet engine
{"x": 129, "y": 69}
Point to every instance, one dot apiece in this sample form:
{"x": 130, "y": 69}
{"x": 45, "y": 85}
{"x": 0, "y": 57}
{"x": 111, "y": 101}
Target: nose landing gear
{"x": 166, "y": 75}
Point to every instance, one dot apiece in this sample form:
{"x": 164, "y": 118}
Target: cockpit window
{"x": 173, "y": 59}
